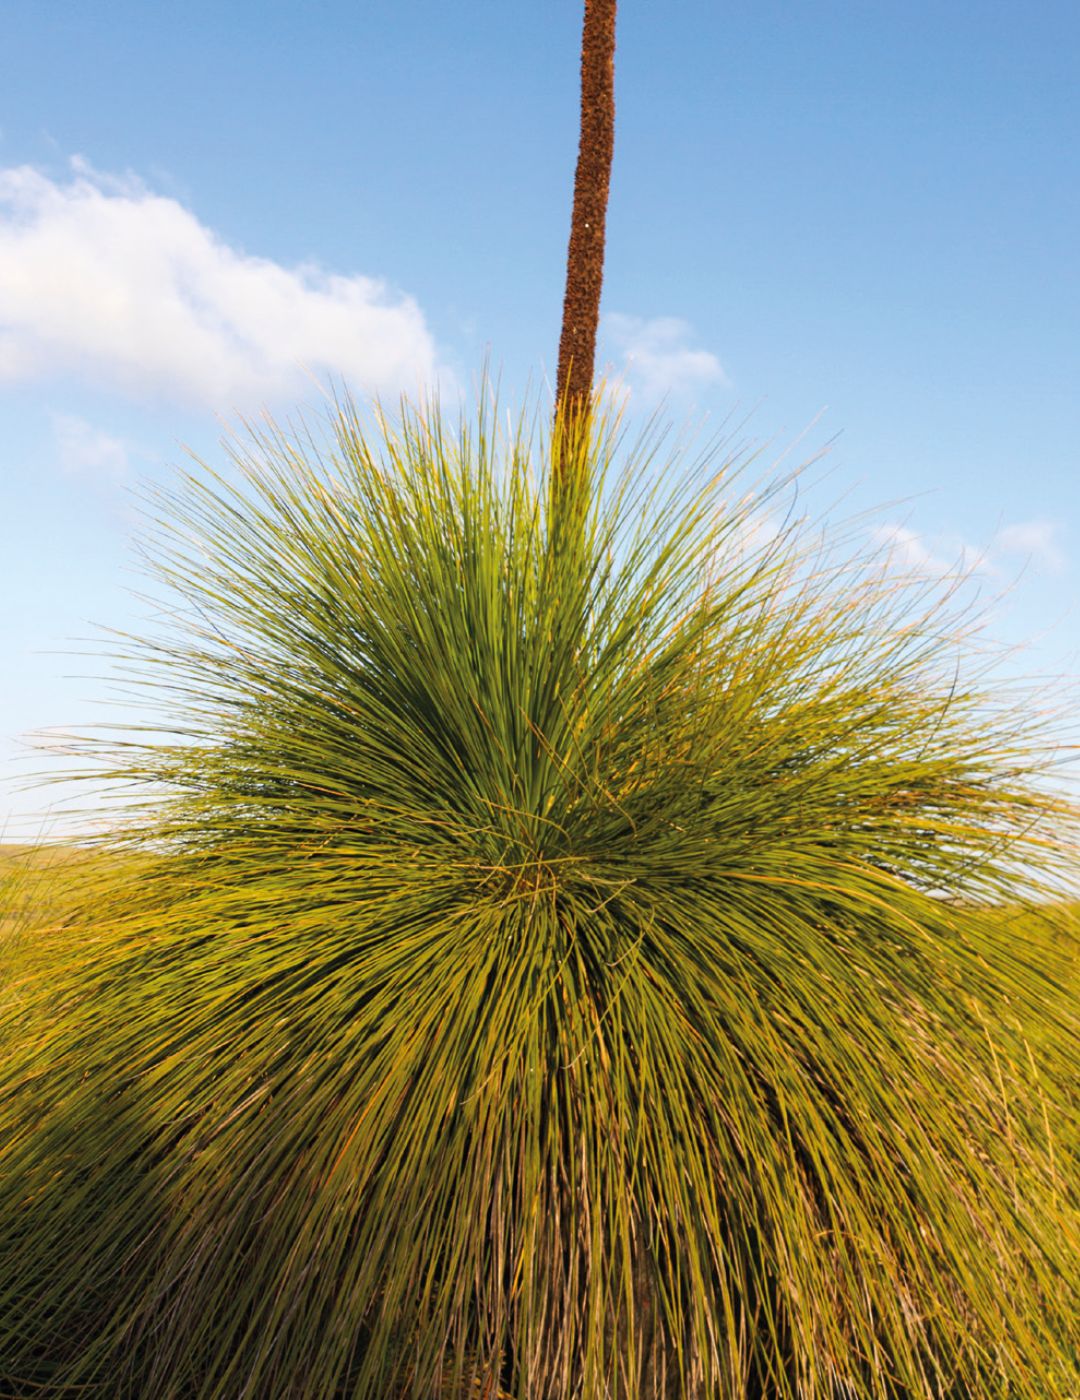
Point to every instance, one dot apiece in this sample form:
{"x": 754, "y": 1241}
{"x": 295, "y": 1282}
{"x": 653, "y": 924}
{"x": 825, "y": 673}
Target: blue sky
{"x": 867, "y": 213}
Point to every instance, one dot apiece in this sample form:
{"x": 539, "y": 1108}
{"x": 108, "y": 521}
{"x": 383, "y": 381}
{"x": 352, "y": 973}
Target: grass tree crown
{"x": 538, "y": 975}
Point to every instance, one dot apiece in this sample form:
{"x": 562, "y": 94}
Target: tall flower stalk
{"x": 585, "y": 254}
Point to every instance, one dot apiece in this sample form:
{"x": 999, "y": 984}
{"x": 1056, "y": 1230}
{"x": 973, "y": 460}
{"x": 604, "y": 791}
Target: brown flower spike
{"x": 585, "y": 257}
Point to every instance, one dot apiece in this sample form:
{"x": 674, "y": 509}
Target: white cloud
{"x": 914, "y": 553}
{"x": 52, "y": 739}
{"x": 84, "y": 449}
{"x": 657, "y": 357}
{"x": 1035, "y": 540}
{"x": 102, "y": 276}
{"x": 752, "y": 531}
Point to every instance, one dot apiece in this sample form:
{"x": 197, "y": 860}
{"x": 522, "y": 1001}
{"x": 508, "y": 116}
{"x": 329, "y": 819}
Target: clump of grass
{"x": 561, "y": 962}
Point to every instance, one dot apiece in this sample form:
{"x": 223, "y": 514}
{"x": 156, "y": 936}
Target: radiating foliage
{"x": 560, "y": 964}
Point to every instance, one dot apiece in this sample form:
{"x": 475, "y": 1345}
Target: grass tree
{"x": 575, "y": 974}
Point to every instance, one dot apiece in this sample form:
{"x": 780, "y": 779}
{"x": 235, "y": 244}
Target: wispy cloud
{"x": 83, "y": 449}
{"x": 101, "y": 275}
{"x": 1034, "y": 542}
{"x": 928, "y": 555}
{"x": 657, "y": 356}
{"x": 1037, "y": 541}
{"x": 51, "y": 739}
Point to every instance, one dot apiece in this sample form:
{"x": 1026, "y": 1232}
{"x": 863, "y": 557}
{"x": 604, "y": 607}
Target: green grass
{"x": 567, "y": 953}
